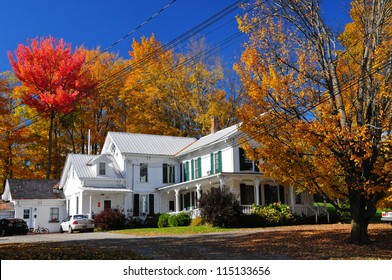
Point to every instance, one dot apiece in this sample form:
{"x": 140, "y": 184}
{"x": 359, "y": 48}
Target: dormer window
{"x": 112, "y": 148}
{"x": 102, "y": 169}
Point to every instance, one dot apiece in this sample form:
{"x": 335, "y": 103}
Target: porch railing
{"x": 309, "y": 211}
{"x": 246, "y": 209}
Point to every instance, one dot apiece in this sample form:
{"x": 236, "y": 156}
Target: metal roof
{"x": 210, "y": 139}
{"x": 85, "y": 169}
{"x": 148, "y": 144}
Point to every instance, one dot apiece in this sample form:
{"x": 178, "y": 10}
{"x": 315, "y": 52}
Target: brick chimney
{"x": 214, "y": 124}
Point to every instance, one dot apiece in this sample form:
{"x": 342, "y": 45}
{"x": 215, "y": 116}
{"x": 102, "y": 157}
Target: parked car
{"x": 13, "y": 226}
{"x": 77, "y": 223}
{"x": 386, "y": 216}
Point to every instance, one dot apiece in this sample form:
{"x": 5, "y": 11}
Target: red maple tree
{"x": 52, "y": 78}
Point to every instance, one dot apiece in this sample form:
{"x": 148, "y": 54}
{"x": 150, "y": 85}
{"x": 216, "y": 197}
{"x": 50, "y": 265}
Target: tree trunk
{"x": 50, "y": 144}
{"x": 362, "y": 210}
{"x": 359, "y": 232}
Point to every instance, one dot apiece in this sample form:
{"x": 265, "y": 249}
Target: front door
{"x": 27, "y": 216}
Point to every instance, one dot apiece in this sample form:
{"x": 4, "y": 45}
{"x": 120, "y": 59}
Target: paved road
{"x": 202, "y": 246}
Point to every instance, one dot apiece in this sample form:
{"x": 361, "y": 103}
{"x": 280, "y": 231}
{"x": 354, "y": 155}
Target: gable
{"x": 86, "y": 166}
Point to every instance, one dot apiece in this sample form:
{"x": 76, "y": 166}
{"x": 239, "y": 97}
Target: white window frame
{"x": 102, "y": 169}
{"x": 54, "y": 214}
{"x": 143, "y": 173}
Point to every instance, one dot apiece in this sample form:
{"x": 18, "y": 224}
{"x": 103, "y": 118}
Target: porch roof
{"x": 215, "y": 178}
{"x": 107, "y": 189}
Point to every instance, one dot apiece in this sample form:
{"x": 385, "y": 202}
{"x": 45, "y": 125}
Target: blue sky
{"x": 94, "y": 23}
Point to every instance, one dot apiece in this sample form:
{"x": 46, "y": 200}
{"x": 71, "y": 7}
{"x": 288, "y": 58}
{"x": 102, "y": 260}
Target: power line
{"x": 172, "y": 44}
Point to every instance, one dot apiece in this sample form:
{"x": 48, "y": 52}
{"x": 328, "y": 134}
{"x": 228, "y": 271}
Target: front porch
{"x": 250, "y": 188}
{"x": 92, "y": 200}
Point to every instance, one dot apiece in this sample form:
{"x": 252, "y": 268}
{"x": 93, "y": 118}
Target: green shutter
{"x": 211, "y": 163}
{"x": 199, "y": 167}
{"x": 151, "y": 204}
{"x": 164, "y": 174}
{"x": 219, "y": 162}
{"x": 187, "y": 171}
{"x": 136, "y": 204}
{"x": 193, "y": 169}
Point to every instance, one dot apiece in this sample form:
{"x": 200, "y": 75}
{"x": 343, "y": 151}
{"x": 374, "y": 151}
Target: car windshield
{"x": 79, "y": 217}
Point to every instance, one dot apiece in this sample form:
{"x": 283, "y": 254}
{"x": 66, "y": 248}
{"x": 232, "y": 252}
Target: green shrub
{"x": 220, "y": 208}
{"x": 274, "y": 214}
{"x": 178, "y": 220}
{"x": 163, "y": 220}
{"x": 110, "y": 219}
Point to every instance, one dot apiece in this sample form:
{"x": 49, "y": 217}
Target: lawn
{"x": 172, "y": 231}
{"x": 304, "y": 242}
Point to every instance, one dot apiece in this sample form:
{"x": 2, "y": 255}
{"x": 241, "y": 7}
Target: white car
{"x": 77, "y": 223}
{"x": 386, "y": 216}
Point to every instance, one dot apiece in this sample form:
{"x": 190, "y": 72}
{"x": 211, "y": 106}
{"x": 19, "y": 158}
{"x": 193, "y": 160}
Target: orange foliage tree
{"x": 52, "y": 80}
{"x": 321, "y": 113}
{"x": 172, "y": 94}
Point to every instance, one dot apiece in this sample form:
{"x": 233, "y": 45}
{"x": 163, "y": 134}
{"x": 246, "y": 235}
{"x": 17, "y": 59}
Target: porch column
{"x": 257, "y": 192}
{"x": 177, "y": 192}
{"x": 90, "y": 209}
{"x": 222, "y": 182}
{"x": 198, "y": 194}
{"x": 292, "y": 198}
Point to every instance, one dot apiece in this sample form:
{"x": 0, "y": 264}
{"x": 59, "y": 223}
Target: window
{"x": 171, "y": 205}
{"x": 143, "y": 205}
{"x": 168, "y": 173}
{"x": 247, "y": 194}
{"x": 217, "y": 162}
{"x": 271, "y": 194}
{"x": 102, "y": 169}
{"x": 187, "y": 177}
{"x": 54, "y": 214}
{"x": 107, "y": 204}
{"x": 245, "y": 163}
{"x": 143, "y": 173}
{"x": 197, "y": 166}
{"x": 77, "y": 205}
{"x": 26, "y": 214}
{"x": 112, "y": 148}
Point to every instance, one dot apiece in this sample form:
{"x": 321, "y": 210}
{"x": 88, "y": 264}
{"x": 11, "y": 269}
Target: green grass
{"x": 171, "y": 230}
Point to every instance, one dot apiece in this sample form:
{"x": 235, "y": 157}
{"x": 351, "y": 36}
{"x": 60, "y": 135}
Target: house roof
{"x": 132, "y": 143}
{"x": 210, "y": 139}
{"x": 85, "y": 168}
{"x": 34, "y": 189}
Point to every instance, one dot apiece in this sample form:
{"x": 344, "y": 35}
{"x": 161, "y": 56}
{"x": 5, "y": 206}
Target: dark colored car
{"x": 13, "y": 226}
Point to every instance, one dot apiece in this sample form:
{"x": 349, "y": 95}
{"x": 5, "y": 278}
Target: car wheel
{"x": 3, "y": 233}
{"x": 61, "y": 229}
{"x": 70, "y": 230}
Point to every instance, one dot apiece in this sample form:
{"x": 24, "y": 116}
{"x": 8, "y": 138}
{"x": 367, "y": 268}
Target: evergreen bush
{"x": 179, "y": 220}
{"x": 163, "y": 220}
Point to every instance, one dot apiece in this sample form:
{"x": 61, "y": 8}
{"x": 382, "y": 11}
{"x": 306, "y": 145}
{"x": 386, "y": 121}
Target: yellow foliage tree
{"x": 172, "y": 94}
{"x": 321, "y": 113}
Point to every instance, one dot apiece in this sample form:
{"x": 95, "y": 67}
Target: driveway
{"x": 201, "y": 246}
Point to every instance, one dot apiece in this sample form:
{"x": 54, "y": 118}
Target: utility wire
{"x": 172, "y": 44}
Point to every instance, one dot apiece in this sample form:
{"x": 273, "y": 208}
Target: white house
{"x": 145, "y": 174}
{"x": 38, "y": 202}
